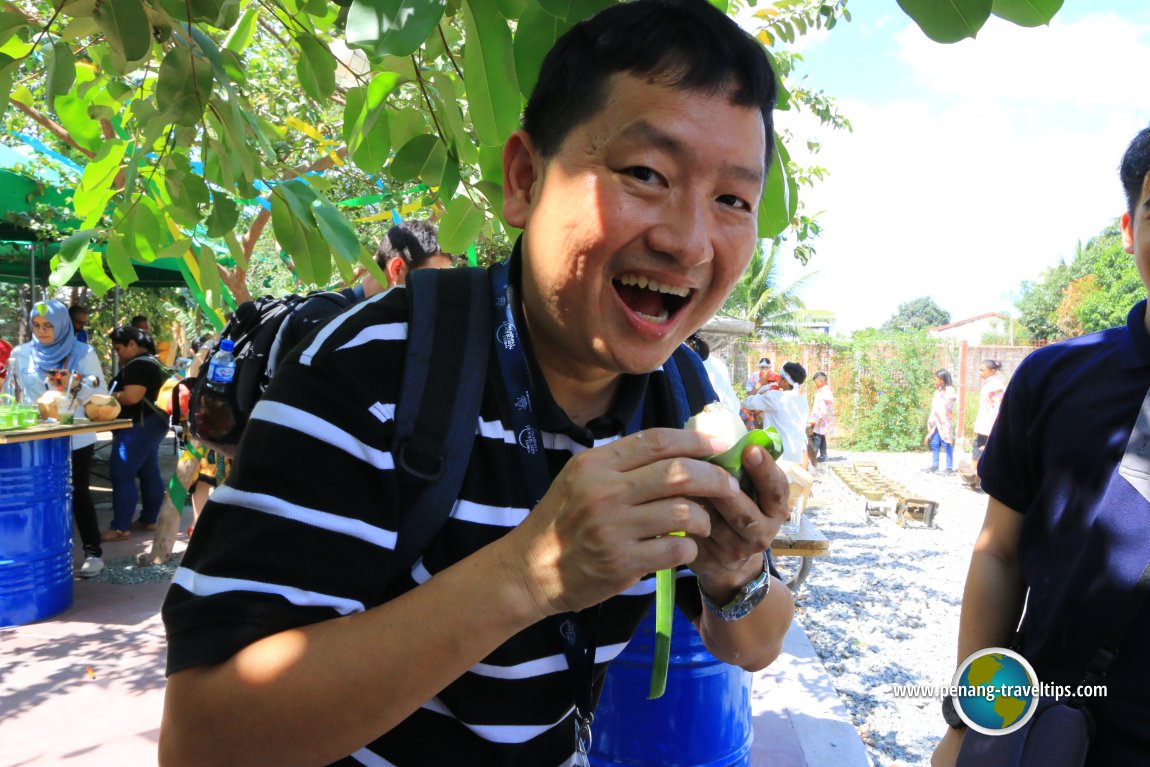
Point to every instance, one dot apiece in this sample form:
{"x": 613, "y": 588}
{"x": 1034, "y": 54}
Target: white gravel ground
{"x": 883, "y": 608}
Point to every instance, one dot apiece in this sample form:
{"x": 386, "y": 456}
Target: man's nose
{"x": 685, "y": 231}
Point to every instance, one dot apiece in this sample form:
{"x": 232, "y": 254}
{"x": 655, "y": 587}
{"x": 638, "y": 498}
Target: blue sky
{"x": 972, "y": 166}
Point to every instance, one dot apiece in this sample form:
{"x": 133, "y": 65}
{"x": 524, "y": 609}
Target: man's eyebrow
{"x": 644, "y": 131}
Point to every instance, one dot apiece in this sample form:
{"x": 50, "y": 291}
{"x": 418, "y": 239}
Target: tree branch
{"x": 53, "y": 127}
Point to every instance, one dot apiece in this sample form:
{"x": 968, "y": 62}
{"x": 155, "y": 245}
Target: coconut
{"x": 715, "y": 420}
{"x": 799, "y": 480}
{"x": 102, "y": 407}
{"x": 49, "y": 403}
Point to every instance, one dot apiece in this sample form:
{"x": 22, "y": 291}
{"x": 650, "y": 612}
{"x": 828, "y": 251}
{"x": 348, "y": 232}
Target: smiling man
{"x": 635, "y": 179}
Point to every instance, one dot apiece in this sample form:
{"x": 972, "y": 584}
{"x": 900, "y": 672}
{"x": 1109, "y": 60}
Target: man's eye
{"x": 641, "y": 173}
{"x": 734, "y": 202}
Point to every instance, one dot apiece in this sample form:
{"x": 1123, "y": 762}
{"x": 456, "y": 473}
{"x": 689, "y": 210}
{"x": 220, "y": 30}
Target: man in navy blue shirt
{"x": 1064, "y": 532}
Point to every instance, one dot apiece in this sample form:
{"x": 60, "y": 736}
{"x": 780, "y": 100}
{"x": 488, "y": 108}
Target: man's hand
{"x": 607, "y": 519}
{"x": 741, "y": 531}
{"x": 946, "y": 752}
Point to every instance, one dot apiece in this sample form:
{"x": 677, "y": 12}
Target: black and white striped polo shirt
{"x": 304, "y": 529}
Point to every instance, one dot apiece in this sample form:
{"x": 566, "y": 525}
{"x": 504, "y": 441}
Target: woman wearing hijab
{"x": 54, "y": 348}
{"x": 135, "y": 451}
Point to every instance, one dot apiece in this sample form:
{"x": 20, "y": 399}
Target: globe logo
{"x": 997, "y": 691}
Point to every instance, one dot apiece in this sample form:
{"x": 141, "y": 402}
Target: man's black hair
{"x": 1135, "y": 165}
{"x": 413, "y": 241}
{"x": 75, "y": 309}
{"x": 797, "y": 372}
{"x": 684, "y": 44}
{"x": 138, "y": 318}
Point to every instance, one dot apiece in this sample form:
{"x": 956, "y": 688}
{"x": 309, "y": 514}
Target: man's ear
{"x": 396, "y": 270}
{"x": 1127, "y": 233}
{"x": 522, "y": 169}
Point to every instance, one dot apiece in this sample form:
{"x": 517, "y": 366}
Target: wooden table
{"x": 808, "y": 543}
{"x": 48, "y": 430}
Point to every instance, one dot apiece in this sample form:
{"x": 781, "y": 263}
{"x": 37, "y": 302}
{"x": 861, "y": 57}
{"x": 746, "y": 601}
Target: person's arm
{"x": 130, "y": 394}
{"x": 991, "y": 601}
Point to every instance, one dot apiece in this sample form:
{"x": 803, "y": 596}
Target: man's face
{"x": 79, "y": 321}
{"x": 1136, "y": 236}
{"x": 638, "y": 227}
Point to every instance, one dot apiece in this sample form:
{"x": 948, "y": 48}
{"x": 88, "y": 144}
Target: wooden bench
{"x": 808, "y": 544}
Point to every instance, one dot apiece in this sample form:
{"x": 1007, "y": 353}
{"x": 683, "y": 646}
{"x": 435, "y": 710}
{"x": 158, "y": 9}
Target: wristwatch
{"x": 747, "y": 598}
{"x": 953, "y": 720}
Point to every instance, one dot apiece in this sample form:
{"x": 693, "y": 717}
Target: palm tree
{"x": 757, "y": 297}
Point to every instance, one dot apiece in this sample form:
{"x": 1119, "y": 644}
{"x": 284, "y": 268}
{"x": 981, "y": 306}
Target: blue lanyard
{"x": 579, "y": 649}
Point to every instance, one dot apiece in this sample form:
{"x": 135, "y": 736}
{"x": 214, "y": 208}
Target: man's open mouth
{"x": 651, "y": 300}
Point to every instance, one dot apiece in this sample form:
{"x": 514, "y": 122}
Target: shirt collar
{"x": 1137, "y": 347}
{"x": 552, "y": 418}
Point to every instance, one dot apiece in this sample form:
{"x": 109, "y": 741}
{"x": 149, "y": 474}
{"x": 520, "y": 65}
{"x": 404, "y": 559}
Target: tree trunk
{"x": 168, "y": 525}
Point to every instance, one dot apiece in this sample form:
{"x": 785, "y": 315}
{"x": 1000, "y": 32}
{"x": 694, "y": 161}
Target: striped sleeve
{"x": 305, "y": 526}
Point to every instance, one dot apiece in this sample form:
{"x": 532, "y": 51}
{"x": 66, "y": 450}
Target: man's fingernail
{"x": 718, "y": 445}
{"x": 734, "y": 483}
{"x": 755, "y": 456}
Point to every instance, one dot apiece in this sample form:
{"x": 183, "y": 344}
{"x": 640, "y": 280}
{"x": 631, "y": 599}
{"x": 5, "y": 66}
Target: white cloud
{"x": 1001, "y": 159}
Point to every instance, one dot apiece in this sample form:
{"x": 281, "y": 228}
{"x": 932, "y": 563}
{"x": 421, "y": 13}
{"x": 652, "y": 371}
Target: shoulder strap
{"x": 442, "y": 388}
{"x": 690, "y": 387}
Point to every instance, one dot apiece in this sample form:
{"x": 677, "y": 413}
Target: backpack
{"x": 262, "y": 331}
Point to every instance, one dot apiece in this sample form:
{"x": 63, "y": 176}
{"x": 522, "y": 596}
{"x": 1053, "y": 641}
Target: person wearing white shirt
{"x": 786, "y": 409}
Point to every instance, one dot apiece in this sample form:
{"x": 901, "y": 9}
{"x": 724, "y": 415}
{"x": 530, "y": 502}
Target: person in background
{"x": 5, "y": 353}
{"x": 140, "y": 322}
{"x": 407, "y": 246}
{"x": 1067, "y": 527}
{"x": 989, "y": 399}
{"x": 822, "y": 420}
{"x": 135, "y": 451}
{"x": 766, "y": 379}
{"x": 79, "y": 315}
{"x": 716, "y": 372}
{"x": 54, "y": 347}
{"x": 786, "y": 409}
{"x": 940, "y": 423}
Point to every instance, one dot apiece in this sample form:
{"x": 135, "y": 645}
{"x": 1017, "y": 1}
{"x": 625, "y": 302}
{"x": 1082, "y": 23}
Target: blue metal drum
{"x": 35, "y": 530}
{"x": 703, "y": 720}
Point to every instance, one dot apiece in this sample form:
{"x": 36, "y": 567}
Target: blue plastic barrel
{"x": 35, "y": 530}
{"x": 703, "y": 719}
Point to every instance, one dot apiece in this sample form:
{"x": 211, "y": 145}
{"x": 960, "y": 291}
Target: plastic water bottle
{"x": 215, "y": 420}
{"x": 222, "y": 368}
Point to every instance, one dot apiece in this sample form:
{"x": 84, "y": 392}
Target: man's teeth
{"x": 658, "y": 287}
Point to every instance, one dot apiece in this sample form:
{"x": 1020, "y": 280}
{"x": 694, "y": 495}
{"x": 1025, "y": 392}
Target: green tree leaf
{"x": 97, "y": 183}
{"x": 575, "y": 11}
{"x": 775, "y": 206}
{"x": 315, "y": 67}
{"x": 241, "y": 34}
{"x": 337, "y": 231}
{"x": 92, "y": 270}
{"x": 184, "y": 86}
{"x": 423, "y": 157}
{"x": 120, "y": 262}
{"x": 392, "y": 27}
{"x": 366, "y": 129}
{"x": 534, "y": 37}
{"x": 492, "y": 87}
{"x": 126, "y": 26}
{"x": 224, "y": 215}
{"x": 61, "y": 70}
{"x": 948, "y": 21}
{"x": 7, "y": 69}
{"x": 460, "y": 225}
{"x": 67, "y": 260}
{"x": 511, "y": 9}
{"x": 1027, "y": 13}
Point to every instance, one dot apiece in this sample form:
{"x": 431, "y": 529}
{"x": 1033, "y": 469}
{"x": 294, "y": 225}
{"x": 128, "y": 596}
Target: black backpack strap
{"x": 689, "y": 385}
{"x": 442, "y": 388}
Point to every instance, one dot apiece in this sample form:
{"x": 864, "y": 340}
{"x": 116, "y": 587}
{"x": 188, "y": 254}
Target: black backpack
{"x": 262, "y": 332}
